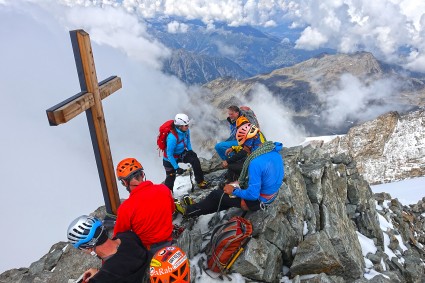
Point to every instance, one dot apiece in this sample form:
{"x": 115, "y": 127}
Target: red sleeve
{"x": 122, "y": 223}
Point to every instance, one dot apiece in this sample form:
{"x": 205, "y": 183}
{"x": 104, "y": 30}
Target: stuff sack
{"x": 227, "y": 242}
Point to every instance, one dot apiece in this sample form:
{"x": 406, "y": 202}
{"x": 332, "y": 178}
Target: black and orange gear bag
{"x": 227, "y": 242}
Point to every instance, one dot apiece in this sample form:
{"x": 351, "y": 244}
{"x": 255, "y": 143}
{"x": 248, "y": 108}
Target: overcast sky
{"x": 49, "y": 175}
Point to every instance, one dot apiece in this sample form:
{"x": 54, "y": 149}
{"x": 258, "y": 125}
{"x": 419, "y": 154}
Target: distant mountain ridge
{"x": 301, "y": 87}
{"x": 254, "y": 51}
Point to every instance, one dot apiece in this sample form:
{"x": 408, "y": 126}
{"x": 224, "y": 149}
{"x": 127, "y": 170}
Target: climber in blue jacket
{"x": 179, "y": 149}
{"x": 258, "y": 184}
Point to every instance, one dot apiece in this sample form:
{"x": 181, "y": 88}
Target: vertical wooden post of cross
{"x": 90, "y": 101}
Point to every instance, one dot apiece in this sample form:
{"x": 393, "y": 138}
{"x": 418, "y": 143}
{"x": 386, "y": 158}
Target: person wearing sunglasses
{"x": 179, "y": 149}
{"x": 149, "y": 209}
{"x": 124, "y": 257}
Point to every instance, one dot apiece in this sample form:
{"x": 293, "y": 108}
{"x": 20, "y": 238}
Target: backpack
{"x": 164, "y": 130}
{"x": 250, "y": 115}
{"x": 227, "y": 242}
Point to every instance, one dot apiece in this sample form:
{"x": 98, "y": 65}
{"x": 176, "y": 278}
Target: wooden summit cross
{"x": 90, "y": 101}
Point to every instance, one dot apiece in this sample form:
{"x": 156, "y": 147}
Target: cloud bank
{"x": 352, "y": 100}
{"x": 393, "y": 31}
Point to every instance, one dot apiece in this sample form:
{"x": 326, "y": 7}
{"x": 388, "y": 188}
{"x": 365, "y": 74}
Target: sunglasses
{"x": 126, "y": 181}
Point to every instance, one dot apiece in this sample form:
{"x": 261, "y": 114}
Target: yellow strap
{"x": 236, "y": 148}
{"x": 234, "y": 259}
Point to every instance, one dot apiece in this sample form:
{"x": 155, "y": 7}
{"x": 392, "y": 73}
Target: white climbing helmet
{"x": 181, "y": 120}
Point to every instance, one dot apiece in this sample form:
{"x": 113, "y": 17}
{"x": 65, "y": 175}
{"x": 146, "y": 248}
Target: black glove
{"x": 180, "y": 171}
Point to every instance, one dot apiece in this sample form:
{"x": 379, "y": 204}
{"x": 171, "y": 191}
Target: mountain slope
{"x": 252, "y": 50}
{"x": 386, "y": 149}
{"x": 306, "y": 89}
{"x": 191, "y": 67}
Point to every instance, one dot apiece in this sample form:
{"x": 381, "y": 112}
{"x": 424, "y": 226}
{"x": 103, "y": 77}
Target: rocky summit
{"x": 315, "y": 231}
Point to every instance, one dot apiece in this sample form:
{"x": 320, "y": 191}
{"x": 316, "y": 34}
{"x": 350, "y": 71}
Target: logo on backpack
{"x": 227, "y": 243}
{"x": 164, "y": 130}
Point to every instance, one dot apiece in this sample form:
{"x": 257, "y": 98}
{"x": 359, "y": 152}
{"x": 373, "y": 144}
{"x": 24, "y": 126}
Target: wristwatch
{"x": 234, "y": 186}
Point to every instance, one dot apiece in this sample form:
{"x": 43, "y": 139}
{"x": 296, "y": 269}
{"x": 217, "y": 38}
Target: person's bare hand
{"x": 224, "y": 164}
{"x": 89, "y": 274}
{"x": 228, "y": 189}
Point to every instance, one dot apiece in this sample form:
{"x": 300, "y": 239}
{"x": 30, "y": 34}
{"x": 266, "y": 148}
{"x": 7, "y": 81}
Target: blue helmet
{"x": 85, "y": 231}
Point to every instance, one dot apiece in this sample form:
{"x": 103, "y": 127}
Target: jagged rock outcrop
{"x": 313, "y": 227}
{"x": 388, "y": 148}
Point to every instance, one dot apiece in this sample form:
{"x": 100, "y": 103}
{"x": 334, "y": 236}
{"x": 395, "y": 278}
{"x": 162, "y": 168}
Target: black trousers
{"x": 211, "y": 202}
{"x": 233, "y": 171}
{"x": 186, "y": 157}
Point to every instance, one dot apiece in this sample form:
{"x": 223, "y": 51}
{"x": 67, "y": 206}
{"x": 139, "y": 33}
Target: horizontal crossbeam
{"x": 71, "y": 107}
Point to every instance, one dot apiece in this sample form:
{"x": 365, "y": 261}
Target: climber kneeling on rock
{"x": 258, "y": 184}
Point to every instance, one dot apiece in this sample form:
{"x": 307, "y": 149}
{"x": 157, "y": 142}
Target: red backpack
{"x": 164, "y": 130}
{"x": 227, "y": 243}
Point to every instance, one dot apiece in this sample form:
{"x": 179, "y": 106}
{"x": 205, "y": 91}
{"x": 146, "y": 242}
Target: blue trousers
{"x": 222, "y": 146}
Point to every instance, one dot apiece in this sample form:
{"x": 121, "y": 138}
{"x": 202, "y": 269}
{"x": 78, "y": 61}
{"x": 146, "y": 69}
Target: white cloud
{"x": 226, "y": 50}
{"x": 363, "y": 25}
{"x": 176, "y": 27}
{"x": 352, "y": 99}
{"x": 311, "y": 39}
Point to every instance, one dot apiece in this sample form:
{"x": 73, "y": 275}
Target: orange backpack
{"x": 227, "y": 243}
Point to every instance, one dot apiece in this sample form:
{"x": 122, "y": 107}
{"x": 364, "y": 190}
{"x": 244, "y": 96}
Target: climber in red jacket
{"x": 149, "y": 209}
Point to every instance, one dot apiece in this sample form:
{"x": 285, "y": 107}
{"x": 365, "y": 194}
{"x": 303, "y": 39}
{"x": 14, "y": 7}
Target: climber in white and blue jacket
{"x": 259, "y": 182}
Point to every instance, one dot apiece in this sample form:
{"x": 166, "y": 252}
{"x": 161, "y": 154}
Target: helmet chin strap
{"x": 143, "y": 178}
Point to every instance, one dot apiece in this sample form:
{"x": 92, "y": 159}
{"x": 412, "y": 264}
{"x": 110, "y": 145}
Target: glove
{"x": 180, "y": 171}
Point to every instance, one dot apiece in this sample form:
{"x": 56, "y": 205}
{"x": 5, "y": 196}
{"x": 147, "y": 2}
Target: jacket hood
{"x": 278, "y": 146}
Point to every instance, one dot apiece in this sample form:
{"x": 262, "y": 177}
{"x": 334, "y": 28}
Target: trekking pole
{"x": 191, "y": 175}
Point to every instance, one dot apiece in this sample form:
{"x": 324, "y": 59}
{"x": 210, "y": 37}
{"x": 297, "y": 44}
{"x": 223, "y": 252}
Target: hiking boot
{"x": 203, "y": 185}
{"x": 180, "y": 207}
{"x": 188, "y": 200}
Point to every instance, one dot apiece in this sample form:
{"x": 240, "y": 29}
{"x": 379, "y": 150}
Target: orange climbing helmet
{"x": 170, "y": 264}
{"x": 241, "y": 120}
{"x": 127, "y": 167}
{"x": 246, "y": 132}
